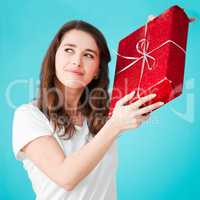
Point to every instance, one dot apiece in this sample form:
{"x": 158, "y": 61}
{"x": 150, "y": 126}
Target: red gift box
{"x": 152, "y": 59}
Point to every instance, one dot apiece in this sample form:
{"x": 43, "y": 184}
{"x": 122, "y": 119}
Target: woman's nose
{"x": 76, "y": 60}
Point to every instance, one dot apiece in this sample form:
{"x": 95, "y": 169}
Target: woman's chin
{"x": 74, "y": 83}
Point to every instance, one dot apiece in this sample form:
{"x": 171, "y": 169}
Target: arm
{"x": 68, "y": 171}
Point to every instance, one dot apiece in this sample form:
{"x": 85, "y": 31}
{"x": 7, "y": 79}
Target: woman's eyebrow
{"x": 93, "y": 51}
{"x": 74, "y": 45}
{"x": 71, "y": 45}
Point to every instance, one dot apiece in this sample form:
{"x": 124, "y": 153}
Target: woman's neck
{"x": 71, "y": 96}
{"x": 72, "y": 99}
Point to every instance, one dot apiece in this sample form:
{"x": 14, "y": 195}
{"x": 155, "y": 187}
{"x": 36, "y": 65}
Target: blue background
{"x": 158, "y": 161}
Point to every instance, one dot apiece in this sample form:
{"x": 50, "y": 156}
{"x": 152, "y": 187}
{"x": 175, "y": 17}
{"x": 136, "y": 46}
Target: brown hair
{"x": 95, "y": 96}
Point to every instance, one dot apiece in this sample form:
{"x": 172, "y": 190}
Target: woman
{"x": 64, "y": 138}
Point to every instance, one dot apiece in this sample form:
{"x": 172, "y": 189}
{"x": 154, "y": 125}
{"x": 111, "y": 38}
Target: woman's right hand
{"x": 132, "y": 116}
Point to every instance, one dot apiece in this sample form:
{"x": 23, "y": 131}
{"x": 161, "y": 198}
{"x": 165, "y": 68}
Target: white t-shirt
{"x": 30, "y": 123}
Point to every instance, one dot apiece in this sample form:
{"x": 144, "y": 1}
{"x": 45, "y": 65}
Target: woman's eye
{"x": 89, "y": 55}
{"x": 68, "y": 50}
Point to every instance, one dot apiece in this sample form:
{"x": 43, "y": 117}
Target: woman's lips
{"x": 75, "y": 72}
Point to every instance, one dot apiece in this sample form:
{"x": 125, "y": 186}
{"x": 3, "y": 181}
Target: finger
{"x": 145, "y": 114}
{"x": 141, "y": 118}
{"x": 141, "y": 101}
{"x": 149, "y": 108}
{"x": 151, "y": 17}
{"x": 192, "y": 19}
{"x": 125, "y": 99}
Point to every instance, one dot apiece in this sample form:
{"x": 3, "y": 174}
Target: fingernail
{"x": 161, "y": 103}
{"x": 132, "y": 93}
{"x": 153, "y": 95}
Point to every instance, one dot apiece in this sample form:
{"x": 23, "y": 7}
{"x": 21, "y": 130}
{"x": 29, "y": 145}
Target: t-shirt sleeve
{"x": 29, "y": 123}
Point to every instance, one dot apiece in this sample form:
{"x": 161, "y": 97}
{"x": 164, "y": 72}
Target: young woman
{"x": 64, "y": 138}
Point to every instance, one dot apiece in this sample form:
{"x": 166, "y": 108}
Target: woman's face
{"x": 77, "y": 59}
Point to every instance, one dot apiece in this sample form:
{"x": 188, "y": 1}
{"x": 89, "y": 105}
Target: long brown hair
{"x": 95, "y": 96}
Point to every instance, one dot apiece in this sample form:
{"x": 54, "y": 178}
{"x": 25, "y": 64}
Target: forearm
{"x": 80, "y": 163}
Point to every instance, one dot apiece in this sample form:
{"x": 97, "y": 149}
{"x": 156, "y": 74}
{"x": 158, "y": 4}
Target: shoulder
{"x": 29, "y": 117}
{"x": 28, "y": 111}
{"x": 27, "y": 107}
{"x": 29, "y": 123}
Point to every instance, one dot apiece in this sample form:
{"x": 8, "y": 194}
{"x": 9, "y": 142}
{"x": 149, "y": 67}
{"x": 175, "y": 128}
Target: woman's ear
{"x": 96, "y": 76}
